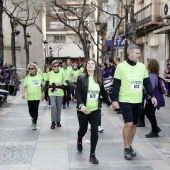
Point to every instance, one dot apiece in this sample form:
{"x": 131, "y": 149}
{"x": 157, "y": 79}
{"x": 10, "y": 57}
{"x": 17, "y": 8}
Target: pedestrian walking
{"x": 89, "y": 89}
{"x": 38, "y": 69}
{"x": 75, "y": 73}
{"x": 44, "y": 75}
{"x": 129, "y": 78}
{"x": 33, "y": 87}
{"x": 56, "y": 91}
{"x": 153, "y": 69}
{"x": 141, "y": 121}
{"x": 67, "y": 72}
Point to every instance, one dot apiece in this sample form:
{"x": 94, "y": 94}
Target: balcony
{"x": 150, "y": 14}
{"x": 149, "y": 17}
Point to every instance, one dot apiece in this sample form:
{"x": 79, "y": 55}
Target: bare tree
{"x": 129, "y": 27}
{"x": 75, "y": 11}
{"x": 25, "y": 12}
{"x": 1, "y": 35}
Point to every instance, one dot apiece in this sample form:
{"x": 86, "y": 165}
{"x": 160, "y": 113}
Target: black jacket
{"x": 82, "y": 90}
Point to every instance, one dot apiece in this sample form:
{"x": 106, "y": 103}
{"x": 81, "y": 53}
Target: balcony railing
{"x": 149, "y": 13}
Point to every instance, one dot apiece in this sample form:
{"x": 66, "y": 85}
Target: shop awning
{"x": 164, "y": 30}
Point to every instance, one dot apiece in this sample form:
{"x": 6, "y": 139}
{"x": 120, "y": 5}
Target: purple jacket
{"x": 158, "y": 95}
{"x": 105, "y": 73}
{"x": 112, "y": 70}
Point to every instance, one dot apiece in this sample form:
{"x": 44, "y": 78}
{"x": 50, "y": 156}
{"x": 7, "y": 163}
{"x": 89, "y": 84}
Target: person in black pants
{"x": 89, "y": 90}
{"x": 153, "y": 69}
{"x": 33, "y": 91}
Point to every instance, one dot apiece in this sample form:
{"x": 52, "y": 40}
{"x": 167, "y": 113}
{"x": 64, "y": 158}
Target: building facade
{"x": 63, "y": 42}
{"x": 36, "y": 47}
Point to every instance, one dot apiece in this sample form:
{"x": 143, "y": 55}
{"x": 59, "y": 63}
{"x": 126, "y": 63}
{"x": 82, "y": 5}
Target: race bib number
{"x": 35, "y": 83}
{"x": 56, "y": 90}
{"x": 92, "y": 96}
{"x": 136, "y": 85}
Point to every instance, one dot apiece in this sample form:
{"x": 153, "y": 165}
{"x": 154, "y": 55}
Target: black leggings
{"x": 93, "y": 118}
{"x": 150, "y": 114}
{"x": 33, "y": 109}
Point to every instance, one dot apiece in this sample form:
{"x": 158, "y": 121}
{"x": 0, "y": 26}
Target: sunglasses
{"x": 56, "y": 66}
{"x": 30, "y": 68}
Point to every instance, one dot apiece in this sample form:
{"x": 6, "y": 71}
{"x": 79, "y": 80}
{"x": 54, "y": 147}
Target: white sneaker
{"x": 100, "y": 129}
{"x": 49, "y": 106}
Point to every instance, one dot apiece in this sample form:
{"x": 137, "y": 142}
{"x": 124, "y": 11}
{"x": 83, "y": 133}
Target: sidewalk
{"x": 21, "y": 148}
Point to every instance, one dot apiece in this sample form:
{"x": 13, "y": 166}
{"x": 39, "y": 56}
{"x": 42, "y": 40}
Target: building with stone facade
{"x": 62, "y": 40}
{"x": 36, "y": 48}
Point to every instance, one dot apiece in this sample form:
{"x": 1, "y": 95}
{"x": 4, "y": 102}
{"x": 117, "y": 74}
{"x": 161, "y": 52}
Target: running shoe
{"x": 133, "y": 153}
{"x": 152, "y": 135}
{"x": 79, "y": 146}
{"x": 53, "y": 125}
{"x": 93, "y": 159}
{"x": 32, "y": 120}
{"x": 100, "y": 129}
{"x": 58, "y": 124}
{"x": 127, "y": 154}
{"x": 34, "y": 126}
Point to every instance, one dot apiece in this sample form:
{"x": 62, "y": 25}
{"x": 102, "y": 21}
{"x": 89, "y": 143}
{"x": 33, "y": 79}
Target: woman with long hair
{"x": 89, "y": 89}
{"x": 153, "y": 70}
{"x": 33, "y": 86}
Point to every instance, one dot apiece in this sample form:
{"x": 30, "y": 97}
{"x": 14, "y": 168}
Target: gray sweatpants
{"x": 56, "y": 104}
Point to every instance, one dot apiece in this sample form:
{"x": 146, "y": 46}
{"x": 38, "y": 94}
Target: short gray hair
{"x": 131, "y": 47}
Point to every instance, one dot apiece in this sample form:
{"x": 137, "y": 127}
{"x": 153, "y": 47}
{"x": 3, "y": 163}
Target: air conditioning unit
{"x": 167, "y": 8}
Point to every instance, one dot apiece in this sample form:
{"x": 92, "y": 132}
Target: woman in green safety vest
{"x": 56, "y": 91}
{"x": 33, "y": 87}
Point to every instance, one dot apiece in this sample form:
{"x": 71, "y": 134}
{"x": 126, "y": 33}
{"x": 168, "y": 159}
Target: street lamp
{"x": 51, "y": 50}
{"x": 28, "y": 36}
{"x": 88, "y": 47}
{"x": 98, "y": 30}
{"x": 45, "y": 49}
{"x": 128, "y": 2}
{"x": 59, "y": 48}
{"x": 13, "y": 46}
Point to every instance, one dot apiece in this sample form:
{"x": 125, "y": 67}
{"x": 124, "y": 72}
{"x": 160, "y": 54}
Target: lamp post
{"x": 88, "y": 47}
{"x": 58, "y": 52}
{"x": 50, "y": 49}
{"x": 28, "y": 43}
{"x": 45, "y": 52}
{"x": 128, "y": 2}
{"x": 13, "y": 34}
{"x": 98, "y": 30}
{"x": 1, "y": 34}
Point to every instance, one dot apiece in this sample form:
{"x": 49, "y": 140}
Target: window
{"x": 73, "y": 23}
{"x": 54, "y": 10}
{"x": 56, "y": 25}
{"x": 60, "y": 39}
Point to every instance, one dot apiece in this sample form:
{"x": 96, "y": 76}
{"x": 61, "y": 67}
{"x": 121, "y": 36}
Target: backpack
{"x": 162, "y": 85}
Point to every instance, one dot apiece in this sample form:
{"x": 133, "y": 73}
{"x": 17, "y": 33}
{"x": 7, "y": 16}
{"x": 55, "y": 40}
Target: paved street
{"x": 21, "y": 148}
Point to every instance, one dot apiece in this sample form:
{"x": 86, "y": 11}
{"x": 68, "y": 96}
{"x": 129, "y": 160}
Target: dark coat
{"x": 82, "y": 90}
